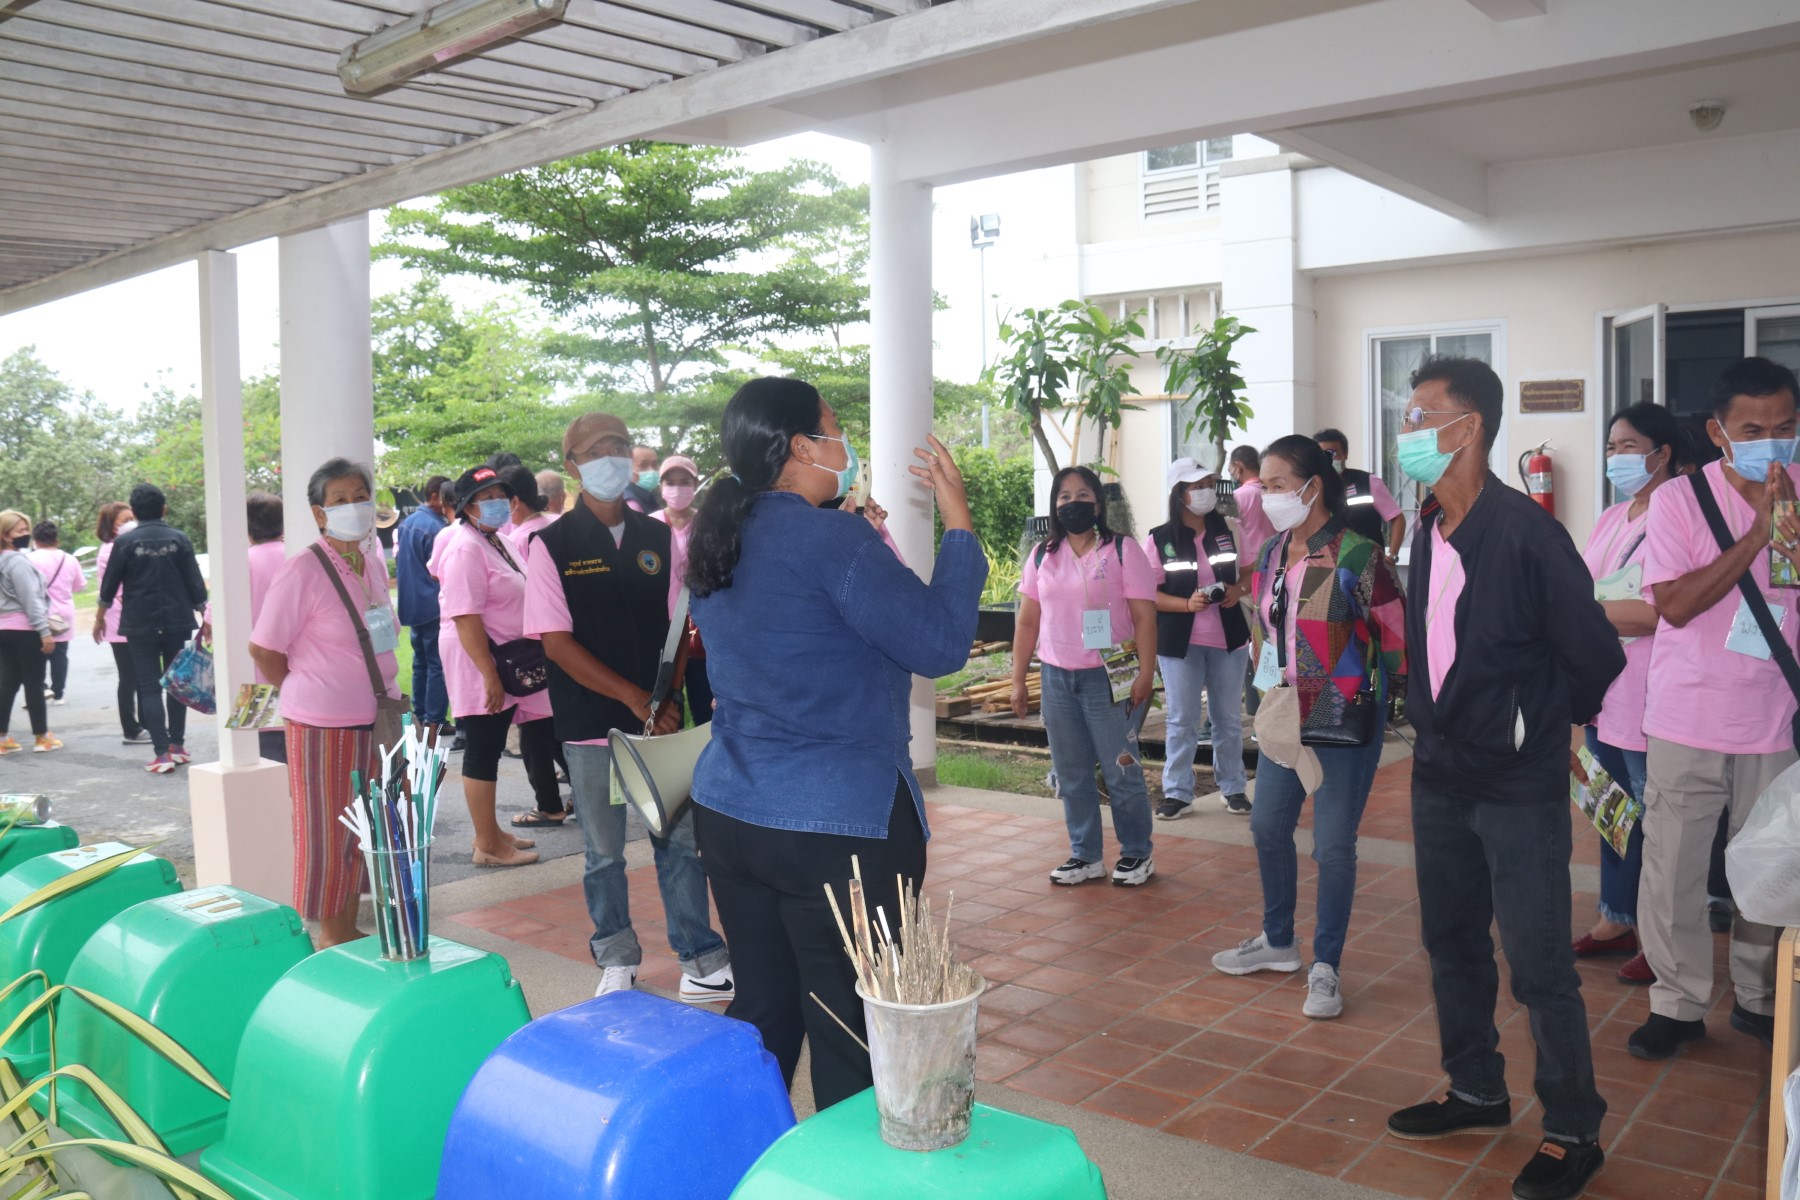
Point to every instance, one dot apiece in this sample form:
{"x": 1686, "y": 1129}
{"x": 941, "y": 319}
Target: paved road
{"x": 98, "y": 784}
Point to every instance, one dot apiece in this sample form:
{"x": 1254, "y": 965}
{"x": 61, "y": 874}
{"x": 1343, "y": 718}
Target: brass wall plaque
{"x": 1552, "y": 395}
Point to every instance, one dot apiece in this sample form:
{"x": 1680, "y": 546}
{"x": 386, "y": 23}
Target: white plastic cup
{"x": 923, "y": 1057}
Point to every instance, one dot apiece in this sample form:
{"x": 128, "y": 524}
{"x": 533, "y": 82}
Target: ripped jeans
{"x": 1086, "y": 728}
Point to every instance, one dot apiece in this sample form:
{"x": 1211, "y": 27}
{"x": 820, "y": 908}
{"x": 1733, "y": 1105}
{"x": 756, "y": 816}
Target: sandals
{"x": 533, "y": 819}
{"x": 518, "y": 858}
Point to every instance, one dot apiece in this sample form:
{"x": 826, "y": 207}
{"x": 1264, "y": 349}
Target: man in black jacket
{"x": 156, "y": 562}
{"x": 1508, "y": 648}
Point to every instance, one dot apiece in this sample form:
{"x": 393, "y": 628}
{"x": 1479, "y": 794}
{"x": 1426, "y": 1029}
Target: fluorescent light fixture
{"x": 437, "y": 36}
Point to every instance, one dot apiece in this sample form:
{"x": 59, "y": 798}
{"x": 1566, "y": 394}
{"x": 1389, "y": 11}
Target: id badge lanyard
{"x": 1745, "y": 636}
{"x": 1096, "y": 623}
{"x": 378, "y": 618}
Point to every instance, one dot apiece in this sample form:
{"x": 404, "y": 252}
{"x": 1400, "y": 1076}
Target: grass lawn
{"x": 1025, "y": 774}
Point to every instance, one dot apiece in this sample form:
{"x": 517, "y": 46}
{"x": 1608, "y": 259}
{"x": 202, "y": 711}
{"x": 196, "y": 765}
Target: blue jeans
{"x": 1337, "y": 812}
{"x": 1619, "y": 876}
{"x": 678, "y": 874}
{"x": 1085, "y": 727}
{"x": 431, "y": 702}
{"x": 1478, "y": 863}
{"x": 1218, "y": 674}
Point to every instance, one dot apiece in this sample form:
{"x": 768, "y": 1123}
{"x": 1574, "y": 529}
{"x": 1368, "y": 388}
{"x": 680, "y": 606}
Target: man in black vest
{"x": 1374, "y": 513}
{"x": 599, "y": 589}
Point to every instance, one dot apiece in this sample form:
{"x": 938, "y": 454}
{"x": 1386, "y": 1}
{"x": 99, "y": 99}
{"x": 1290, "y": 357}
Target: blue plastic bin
{"x": 625, "y": 1096}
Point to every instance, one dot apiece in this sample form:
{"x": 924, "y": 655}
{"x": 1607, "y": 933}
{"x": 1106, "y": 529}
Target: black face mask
{"x": 1078, "y": 516}
{"x": 23, "y": 543}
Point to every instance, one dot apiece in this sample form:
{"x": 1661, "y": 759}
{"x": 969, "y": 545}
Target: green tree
{"x": 453, "y": 387}
{"x": 662, "y": 255}
{"x": 1071, "y": 356}
{"x": 170, "y": 450}
{"x": 1206, "y": 377}
{"x": 62, "y": 454}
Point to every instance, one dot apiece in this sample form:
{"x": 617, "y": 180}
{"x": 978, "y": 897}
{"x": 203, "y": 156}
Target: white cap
{"x": 1186, "y": 470}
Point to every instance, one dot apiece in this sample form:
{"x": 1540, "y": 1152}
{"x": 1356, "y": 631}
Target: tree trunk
{"x": 1037, "y": 433}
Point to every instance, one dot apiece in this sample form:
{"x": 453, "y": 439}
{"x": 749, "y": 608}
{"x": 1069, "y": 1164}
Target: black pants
{"x": 540, "y": 750}
{"x": 1717, "y": 884}
{"x": 769, "y": 886}
{"x": 129, "y": 725}
{"x": 151, "y": 654}
{"x": 699, "y": 691}
{"x": 1477, "y": 863}
{"x": 59, "y": 669}
{"x": 22, "y": 666}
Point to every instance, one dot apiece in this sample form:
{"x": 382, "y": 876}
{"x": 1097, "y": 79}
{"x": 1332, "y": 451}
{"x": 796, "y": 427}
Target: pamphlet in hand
{"x": 1782, "y": 573}
{"x": 1601, "y": 799}
{"x": 257, "y": 707}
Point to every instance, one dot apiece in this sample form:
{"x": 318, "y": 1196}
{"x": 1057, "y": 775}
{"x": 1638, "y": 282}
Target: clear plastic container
{"x": 923, "y": 1056}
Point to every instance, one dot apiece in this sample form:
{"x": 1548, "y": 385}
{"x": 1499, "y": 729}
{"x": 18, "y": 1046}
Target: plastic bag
{"x": 189, "y": 679}
{"x": 1763, "y": 860}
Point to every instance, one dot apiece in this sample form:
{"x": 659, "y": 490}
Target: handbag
{"x": 655, "y": 773}
{"x": 390, "y": 714}
{"x": 1357, "y": 725}
{"x": 520, "y": 663}
{"x": 189, "y": 679}
{"x": 1779, "y": 650}
{"x": 58, "y": 623}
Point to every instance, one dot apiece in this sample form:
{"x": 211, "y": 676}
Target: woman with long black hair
{"x": 1082, "y": 592}
{"x": 808, "y": 616}
{"x": 1334, "y": 638}
{"x": 1202, "y": 638}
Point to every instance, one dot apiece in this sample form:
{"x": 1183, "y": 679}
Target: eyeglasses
{"x": 1415, "y": 417}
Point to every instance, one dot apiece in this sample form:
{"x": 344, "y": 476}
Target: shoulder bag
{"x": 390, "y": 713}
{"x": 1357, "y": 726}
{"x": 1779, "y": 650}
{"x": 58, "y": 623}
{"x": 520, "y": 663}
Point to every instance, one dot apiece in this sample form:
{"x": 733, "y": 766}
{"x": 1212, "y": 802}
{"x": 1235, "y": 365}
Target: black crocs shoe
{"x": 1447, "y": 1117}
{"x": 1559, "y": 1170}
{"x": 1755, "y": 1024}
{"x": 1660, "y": 1037}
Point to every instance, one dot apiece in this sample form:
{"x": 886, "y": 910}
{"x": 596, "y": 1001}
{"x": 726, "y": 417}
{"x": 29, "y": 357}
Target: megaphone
{"x": 655, "y": 774}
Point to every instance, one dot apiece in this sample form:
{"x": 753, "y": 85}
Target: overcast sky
{"x": 120, "y": 341}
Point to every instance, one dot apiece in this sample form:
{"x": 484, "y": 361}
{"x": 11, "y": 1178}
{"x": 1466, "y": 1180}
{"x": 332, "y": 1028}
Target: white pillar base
{"x": 243, "y": 828}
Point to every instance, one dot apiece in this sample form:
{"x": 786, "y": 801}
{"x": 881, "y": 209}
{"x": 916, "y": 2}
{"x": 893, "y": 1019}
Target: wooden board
{"x": 1787, "y": 1052}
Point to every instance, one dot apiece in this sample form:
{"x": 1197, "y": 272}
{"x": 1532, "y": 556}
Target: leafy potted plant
{"x": 1207, "y": 377}
{"x": 1073, "y": 355}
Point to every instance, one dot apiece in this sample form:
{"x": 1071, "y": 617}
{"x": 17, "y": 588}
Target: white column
{"x": 239, "y": 805}
{"x": 900, "y": 392}
{"x": 1263, "y": 289}
{"x": 327, "y": 404}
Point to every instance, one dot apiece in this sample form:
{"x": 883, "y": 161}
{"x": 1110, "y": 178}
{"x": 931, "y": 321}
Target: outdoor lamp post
{"x": 984, "y": 231}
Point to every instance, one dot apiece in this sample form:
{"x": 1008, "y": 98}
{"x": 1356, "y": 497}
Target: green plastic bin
{"x": 29, "y": 841}
{"x": 195, "y": 965}
{"x": 48, "y": 937}
{"x": 839, "y": 1155}
{"x": 350, "y": 1068}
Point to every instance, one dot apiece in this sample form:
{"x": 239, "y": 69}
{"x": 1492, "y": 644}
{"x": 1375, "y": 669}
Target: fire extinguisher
{"x": 1539, "y": 476}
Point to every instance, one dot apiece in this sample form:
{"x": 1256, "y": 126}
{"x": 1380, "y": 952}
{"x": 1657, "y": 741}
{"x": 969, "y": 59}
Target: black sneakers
{"x": 1755, "y": 1024}
{"x": 1443, "y": 1118}
{"x": 1170, "y": 809}
{"x": 1559, "y": 1170}
{"x": 1660, "y": 1037}
{"x": 1237, "y": 804}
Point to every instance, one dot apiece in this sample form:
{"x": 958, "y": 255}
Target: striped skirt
{"x": 328, "y": 867}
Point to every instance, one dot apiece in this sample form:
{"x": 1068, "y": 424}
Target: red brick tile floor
{"x": 1106, "y": 998}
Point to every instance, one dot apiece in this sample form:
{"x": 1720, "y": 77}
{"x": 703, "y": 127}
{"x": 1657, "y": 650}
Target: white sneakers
{"x": 717, "y": 988}
{"x": 616, "y": 979}
{"x": 1076, "y": 871}
{"x": 1255, "y": 954}
{"x": 1323, "y": 1002}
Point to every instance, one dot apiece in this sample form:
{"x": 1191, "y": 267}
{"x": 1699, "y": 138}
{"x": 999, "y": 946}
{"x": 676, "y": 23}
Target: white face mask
{"x": 122, "y": 530}
{"x": 350, "y": 522}
{"x": 605, "y": 478}
{"x": 1203, "y": 502}
{"x": 1286, "y": 509}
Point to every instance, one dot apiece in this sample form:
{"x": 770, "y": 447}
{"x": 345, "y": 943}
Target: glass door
{"x": 1636, "y": 357}
{"x": 1774, "y": 333}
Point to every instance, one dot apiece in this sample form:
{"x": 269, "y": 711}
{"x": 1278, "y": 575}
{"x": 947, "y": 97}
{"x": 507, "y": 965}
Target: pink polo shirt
{"x": 1617, "y": 542}
{"x": 303, "y": 618}
{"x": 547, "y": 607}
{"x": 1209, "y": 629}
{"x": 476, "y": 581}
{"x": 1254, "y": 529}
{"x": 517, "y": 536}
{"x": 1109, "y": 576}
{"x": 678, "y": 536}
{"x": 265, "y": 560}
{"x": 1445, "y": 589}
{"x": 1699, "y": 693}
{"x": 109, "y": 627}
{"x": 1386, "y": 507}
{"x": 62, "y": 579}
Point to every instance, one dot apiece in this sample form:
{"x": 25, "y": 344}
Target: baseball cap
{"x": 1186, "y": 470}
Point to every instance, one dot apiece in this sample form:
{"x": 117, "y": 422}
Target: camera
{"x": 1214, "y": 594}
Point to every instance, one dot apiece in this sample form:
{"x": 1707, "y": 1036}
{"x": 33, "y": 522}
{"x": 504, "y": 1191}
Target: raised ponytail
{"x": 760, "y": 424}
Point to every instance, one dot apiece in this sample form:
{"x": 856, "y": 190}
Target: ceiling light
{"x": 1706, "y": 114}
{"x": 437, "y": 36}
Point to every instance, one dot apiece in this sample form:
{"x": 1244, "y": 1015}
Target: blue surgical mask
{"x": 1752, "y": 460}
{"x": 494, "y": 512}
{"x": 846, "y": 478}
{"x": 605, "y": 478}
{"x": 1628, "y": 473}
{"x": 648, "y": 480}
{"x": 1420, "y": 458}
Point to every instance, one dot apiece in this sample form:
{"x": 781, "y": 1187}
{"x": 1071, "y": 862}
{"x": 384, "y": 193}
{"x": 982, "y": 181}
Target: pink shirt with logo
{"x": 1209, "y": 629}
{"x": 109, "y": 626}
{"x": 1386, "y": 507}
{"x": 1700, "y": 694}
{"x": 1109, "y": 576}
{"x": 1617, "y": 542}
{"x": 1254, "y": 530}
{"x": 62, "y": 579}
{"x": 476, "y": 581}
{"x": 303, "y": 618}
{"x": 1445, "y": 589}
{"x": 547, "y": 606}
